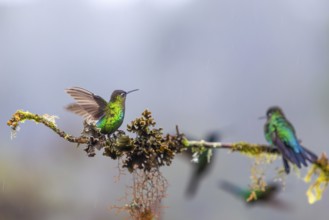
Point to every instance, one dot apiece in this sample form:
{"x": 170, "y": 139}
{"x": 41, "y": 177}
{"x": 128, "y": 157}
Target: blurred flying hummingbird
{"x": 266, "y": 197}
{"x": 280, "y": 133}
{"x": 203, "y": 165}
{"x": 109, "y": 115}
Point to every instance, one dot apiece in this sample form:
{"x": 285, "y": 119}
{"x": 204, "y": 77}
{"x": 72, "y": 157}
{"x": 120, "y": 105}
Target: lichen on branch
{"x": 21, "y": 116}
{"x": 320, "y": 169}
{"x": 245, "y": 148}
{"x": 150, "y": 148}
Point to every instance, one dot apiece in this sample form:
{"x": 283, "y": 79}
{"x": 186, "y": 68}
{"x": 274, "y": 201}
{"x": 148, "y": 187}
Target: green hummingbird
{"x": 205, "y": 162}
{"x": 280, "y": 133}
{"x": 261, "y": 196}
{"x": 109, "y": 115}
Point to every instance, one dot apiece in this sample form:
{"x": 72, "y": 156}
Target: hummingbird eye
{"x": 123, "y": 94}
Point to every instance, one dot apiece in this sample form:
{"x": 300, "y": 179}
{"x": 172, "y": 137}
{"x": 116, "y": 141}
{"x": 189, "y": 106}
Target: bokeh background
{"x": 204, "y": 65}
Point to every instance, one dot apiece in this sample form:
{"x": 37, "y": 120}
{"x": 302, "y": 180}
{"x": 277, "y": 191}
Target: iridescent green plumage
{"x": 280, "y": 133}
{"x": 113, "y": 117}
{"x": 109, "y": 115}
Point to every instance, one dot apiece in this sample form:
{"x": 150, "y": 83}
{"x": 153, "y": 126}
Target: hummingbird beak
{"x": 132, "y": 91}
{"x": 262, "y": 117}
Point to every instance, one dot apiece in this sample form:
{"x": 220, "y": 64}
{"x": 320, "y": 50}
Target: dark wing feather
{"x": 281, "y": 146}
{"x": 231, "y": 188}
{"x": 77, "y": 109}
{"x": 286, "y": 165}
{"x": 309, "y": 155}
{"x": 87, "y": 104}
{"x": 286, "y": 152}
{"x": 300, "y": 156}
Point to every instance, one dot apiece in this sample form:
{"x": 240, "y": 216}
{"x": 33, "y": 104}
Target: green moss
{"x": 185, "y": 142}
{"x": 21, "y": 116}
{"x": 253, "y": 150}
{"x": 321, "y": 170}
{"x": 152, "y": 148}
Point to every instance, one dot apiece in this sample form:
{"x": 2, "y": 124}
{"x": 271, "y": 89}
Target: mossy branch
{"x": 151, "y": 149}
{"x": 21, "y": 116}
{"x": 242, "y": 147}
{"x": 124, "y": 143}
{"x": 320, "y": 170}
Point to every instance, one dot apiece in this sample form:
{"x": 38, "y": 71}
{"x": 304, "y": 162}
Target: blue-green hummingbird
{"x": 245, "y": 193}
{"x": 280, "y": 133}
{"x": 109, "y": 115}
{"x": 262, "y": 197}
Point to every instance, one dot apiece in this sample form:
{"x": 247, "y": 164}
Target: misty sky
{"x": 203, "y": 65}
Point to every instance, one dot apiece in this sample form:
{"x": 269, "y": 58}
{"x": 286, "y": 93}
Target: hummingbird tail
{"x": 309, "y": 155}
{"x": 298, "y": 158}
{"x": 301, "y": 158}
{"x": 192, "y": 186}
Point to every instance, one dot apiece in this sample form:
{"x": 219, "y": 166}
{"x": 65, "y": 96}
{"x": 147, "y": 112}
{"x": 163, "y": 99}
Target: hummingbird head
{"x": 275, "y": 110}
{"x": 120, "y": 95}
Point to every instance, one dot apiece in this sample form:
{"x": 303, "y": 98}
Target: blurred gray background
{"x": 204, "y": 65}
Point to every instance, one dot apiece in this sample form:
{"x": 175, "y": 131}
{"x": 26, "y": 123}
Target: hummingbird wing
{"x": 77, "y": 109}
{"x": 299, "y": 153}
{"x": 87, "y": 103}
{"x": 304, "y": 154}
{"x": 286, "y": 151}
{"x": 232, "y": 189}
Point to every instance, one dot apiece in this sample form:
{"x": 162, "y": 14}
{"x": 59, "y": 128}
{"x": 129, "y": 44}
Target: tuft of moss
{"x": 151, "y": 147}
{"x": 255, "y": 150}
{"x": 21, "y": 116}
{"x": 320, "y": 169}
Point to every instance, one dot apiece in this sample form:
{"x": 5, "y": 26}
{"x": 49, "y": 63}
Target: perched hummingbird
{"x": 203, "y": 166}
{"x": 280, "y": 133}
{"x": 109, "y": 115}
